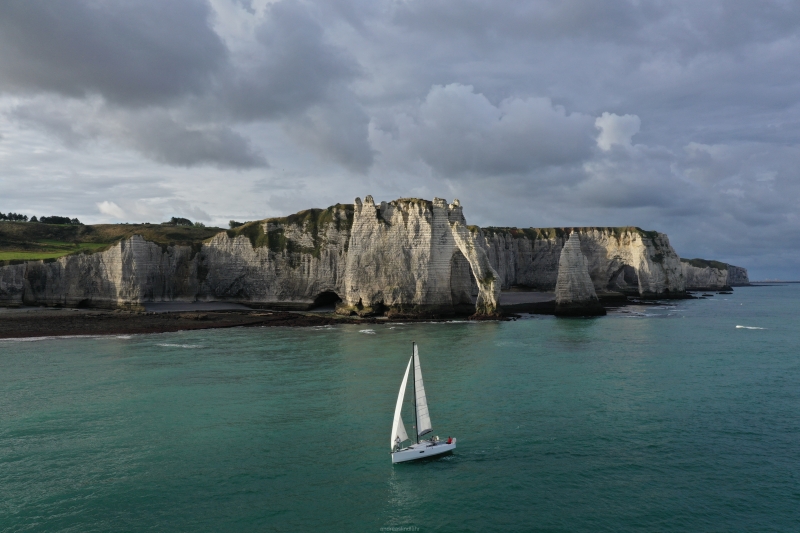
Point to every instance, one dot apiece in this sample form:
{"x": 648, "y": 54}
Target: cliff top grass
{"x": 428, "y": 204}
{"x": 310, "y": 221}
{"x": 705, "y": 263}
{"x": 23, "y": 241}
{"x": 38, "y": 251}
{"x": 28, "y": 241}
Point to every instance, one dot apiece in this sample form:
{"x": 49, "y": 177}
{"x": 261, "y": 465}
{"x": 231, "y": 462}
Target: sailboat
{"x": 418, "y": 449}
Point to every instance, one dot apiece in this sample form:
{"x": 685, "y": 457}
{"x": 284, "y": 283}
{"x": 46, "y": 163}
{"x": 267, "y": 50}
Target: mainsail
{"x": 423, "y": 417}
{"x": 398, "y": 430}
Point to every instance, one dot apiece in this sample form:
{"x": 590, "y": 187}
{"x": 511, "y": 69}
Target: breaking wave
{"x": 748, "y": 327}
{"x": 367, "y": 331}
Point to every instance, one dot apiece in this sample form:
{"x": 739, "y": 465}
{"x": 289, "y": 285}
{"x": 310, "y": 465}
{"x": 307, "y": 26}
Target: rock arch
{"x": 625, "y": 280}
{"x": 486, "y": 277}
{"x": 463, "y": 285}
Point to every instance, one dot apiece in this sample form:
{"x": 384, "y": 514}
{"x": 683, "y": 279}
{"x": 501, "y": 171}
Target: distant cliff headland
{"x": 409, "y": 257}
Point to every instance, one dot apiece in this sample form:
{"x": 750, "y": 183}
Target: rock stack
{"x": 575, "y": 294}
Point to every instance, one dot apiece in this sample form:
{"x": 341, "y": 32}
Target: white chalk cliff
{"x": 408, "y": 256}
{"x": 702, "y": 275}
{"x": 628, "y": 260}
{"x": 575, "y": 294}
{"x": 402, "y": 257}
{"x": 280, "y": 263}
{"x": 128, "y": 273}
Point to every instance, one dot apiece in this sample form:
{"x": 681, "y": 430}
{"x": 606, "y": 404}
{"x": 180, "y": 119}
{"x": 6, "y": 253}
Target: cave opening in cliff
{"x": 326, "y": 299}
{"x": 463, "y": 285}
{"x": 624, "y": 280}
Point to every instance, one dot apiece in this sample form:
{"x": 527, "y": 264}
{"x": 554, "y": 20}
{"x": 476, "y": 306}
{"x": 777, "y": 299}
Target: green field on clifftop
{"x": 27, "y": 241}
{"x": 46, "y": 250}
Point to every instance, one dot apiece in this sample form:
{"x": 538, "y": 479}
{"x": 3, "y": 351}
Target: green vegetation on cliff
{"x": 25, "y": 241}
{"x": 310, "y": 222}
{"x": 47, "y": 250}
{"x": 425, "y": 204}
{"x": 21, "y": 241}
{"x": 705, "y": 263}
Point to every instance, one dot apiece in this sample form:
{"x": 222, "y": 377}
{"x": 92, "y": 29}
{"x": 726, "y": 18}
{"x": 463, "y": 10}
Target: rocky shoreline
{"x": 32, "y": 322}
{"x": 25, "y": 323}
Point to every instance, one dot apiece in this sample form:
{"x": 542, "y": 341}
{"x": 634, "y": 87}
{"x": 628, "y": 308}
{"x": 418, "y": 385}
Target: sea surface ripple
{"x": 654, "y": 418}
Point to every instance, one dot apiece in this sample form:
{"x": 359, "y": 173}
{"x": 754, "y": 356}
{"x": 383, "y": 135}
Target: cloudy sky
{"x": 679, "y": 116}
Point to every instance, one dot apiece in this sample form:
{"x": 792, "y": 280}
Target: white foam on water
{"x": 748, "y": 327}
{"x": 367, "y": 331}
{"x": 168, "y": 345}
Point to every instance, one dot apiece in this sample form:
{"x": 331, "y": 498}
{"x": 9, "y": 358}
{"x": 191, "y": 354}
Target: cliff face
{"x": 702, "y": 274}
{"x": 12, "y": 284}
{"x": 737, "y": 276}
{"x": 406, "y": 256}
{"x": 414, "y": 257}
{"x": 128, "y": 273}
{"x": 287, "y": 262}
{"x": 627, "y": 260}
{"x": 575, "y": 294}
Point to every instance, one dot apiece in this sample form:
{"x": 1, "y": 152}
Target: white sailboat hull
{"x": 423, "y": 450}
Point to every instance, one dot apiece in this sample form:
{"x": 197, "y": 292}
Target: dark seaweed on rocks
{"x": 60, "y": 322}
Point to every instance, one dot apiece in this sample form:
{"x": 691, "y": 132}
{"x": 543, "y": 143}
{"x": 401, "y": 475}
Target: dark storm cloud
{"x": 337, "y": 131}
{"x": 57, "y": 120}
{"x": 293, "y": 67}
{"x": 152, "y": 132}
{"x": 666, "y": 26}
{"x": 172, "y": 143}
{"x": 549, "y": 19}
{"x": 132, "y": 53}
{"x": 164, "y": 58}
{"x": 675, "y": 115}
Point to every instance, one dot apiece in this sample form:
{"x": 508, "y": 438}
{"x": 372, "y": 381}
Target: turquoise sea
{"x": 658, "y": 419}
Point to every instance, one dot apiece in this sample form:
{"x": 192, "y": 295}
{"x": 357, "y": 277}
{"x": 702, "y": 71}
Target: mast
{"x": 414, "y": 375}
